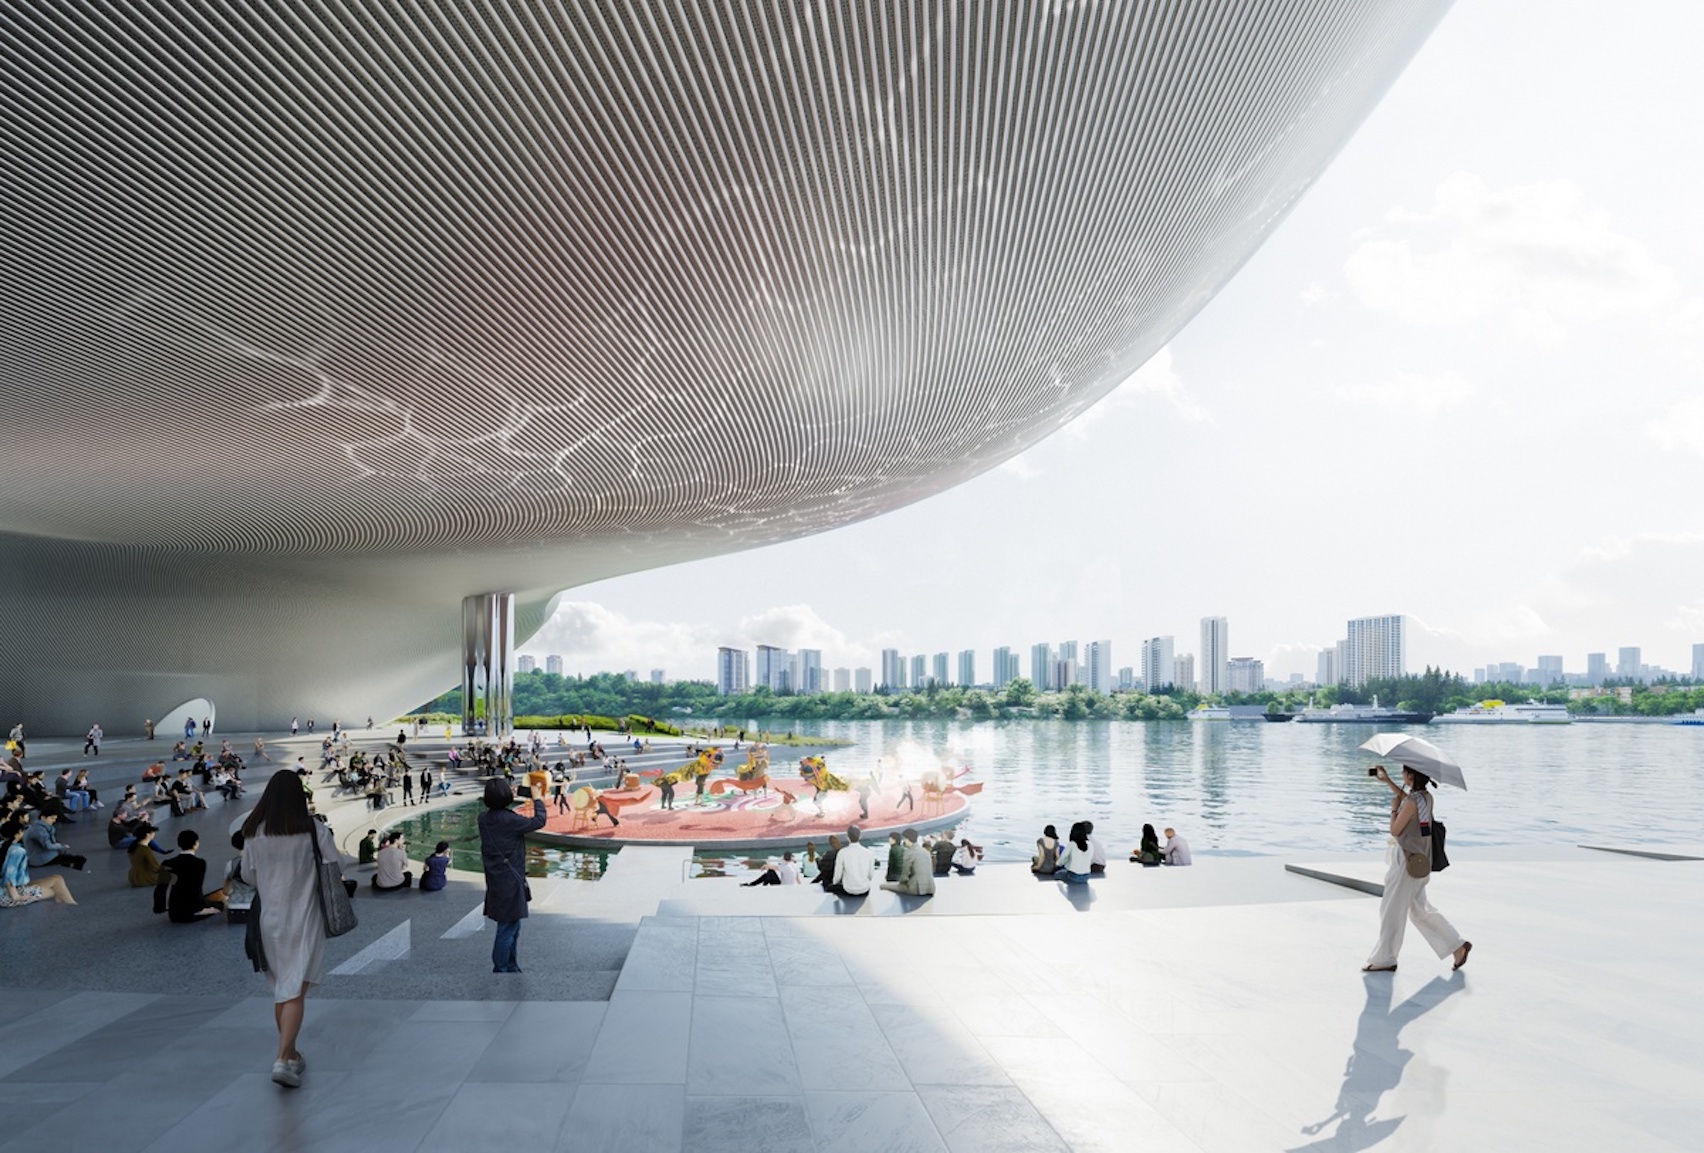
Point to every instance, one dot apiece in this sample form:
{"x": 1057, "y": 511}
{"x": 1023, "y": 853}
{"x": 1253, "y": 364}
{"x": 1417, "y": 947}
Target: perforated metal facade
{"x": 321, "y": 315}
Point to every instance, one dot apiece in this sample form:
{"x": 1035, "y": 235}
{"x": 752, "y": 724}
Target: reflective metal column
{"x": 488, "y": 659}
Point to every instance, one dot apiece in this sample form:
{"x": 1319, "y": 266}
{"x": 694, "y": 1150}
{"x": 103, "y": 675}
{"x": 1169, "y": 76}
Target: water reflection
{"x": 1237, "y": 787}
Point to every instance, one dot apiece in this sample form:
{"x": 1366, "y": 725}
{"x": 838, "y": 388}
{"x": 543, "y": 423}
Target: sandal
{"x": 1378, "y": 968}
{"x": 1466, "y": 948}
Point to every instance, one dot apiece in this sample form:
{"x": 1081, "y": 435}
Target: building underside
{"x": 322, "y": 317}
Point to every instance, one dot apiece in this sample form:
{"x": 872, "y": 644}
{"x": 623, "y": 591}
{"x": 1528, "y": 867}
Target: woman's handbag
{"x": 334, "y": 903}
{"x": 253, "y": 947}
{"x": 1440, "y": 861}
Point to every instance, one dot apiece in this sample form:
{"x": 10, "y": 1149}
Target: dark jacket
{"x": 503, "y": 853}
{"x": 180, "y": 892}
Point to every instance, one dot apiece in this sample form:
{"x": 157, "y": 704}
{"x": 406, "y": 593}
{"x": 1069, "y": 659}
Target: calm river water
{"x": 1245, "y": 787}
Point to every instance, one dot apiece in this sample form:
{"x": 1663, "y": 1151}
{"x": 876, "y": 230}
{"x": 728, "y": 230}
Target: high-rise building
{"x": 1125, "y": 678}
{"x": 1597, "y": 668}
{"x": 1041, "y": 667}
{"x": 656, "y": 676}
{"x": 938, "y": 674}
{"x": 1627, "y": 664}
{"x": 842, "y": 680}
{"x": 631, "y": 676}
{"x": 527, "y": 664}
{"x": 1698, "y": 664}
{"x": 772, "y": 670}
{"x": 893, "y": 670}
{"x": 1005, "y": 667}
{"x": 1215, "y": 655}
{"x": 1067, "y": 652}
{"x": 1064, "y": 673}
{"x": 967, "y": 668}
{"x": 1376, "y": 648}
{"x": 553, "y": 664}
{"x": 733, "y": 671}
{"x": 1326, "y": 671}
{"x": 1183, "y": 672}
{"x": 809, "y": 676}
{"x": 862, "y": 680}
{"x": 1550, "y": 670}
{"x": 919, "y": 672}
{"x": 1159, "y": 663}
{"x": 1245, "y": 675}
{"x": 1099, "y": 666}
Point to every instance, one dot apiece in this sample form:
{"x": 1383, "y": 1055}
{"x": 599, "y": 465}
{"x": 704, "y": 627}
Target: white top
{"x": 291, "y": 925}
{"x": 1177, "y": 851}
{"x": 965, "y": 859}
{"x": 789, "y": 873}
{"x": 855, "y": 868}
{"x": 392, "y": 862}
{"x": 1096, "y": 853}
{"x": 1074, "y": 860}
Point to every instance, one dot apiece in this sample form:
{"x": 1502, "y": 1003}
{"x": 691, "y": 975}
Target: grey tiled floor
{"x": 1214, "y": 1009}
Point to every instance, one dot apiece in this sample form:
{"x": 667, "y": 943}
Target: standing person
{"x": 407, "y": 786}
{"x": 278, "y": 860}
{"x": 17, "y": 739}
{"x": 310, "y": 725}
{"x": 1404, "y": 895}
{"x": 189, "y": 728}
{"x": 206, "y": 726}
{"x": 426, "y": 784}
{"x": 94, "y": 740}
{"x": 503, "y": 853}
{"x": 295, "y": 725}
{"x": 260, "y": 753}
{"x": 148, "y": 727}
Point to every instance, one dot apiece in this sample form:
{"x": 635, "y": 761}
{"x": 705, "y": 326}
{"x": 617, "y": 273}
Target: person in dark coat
{"x": 503, "y": 853}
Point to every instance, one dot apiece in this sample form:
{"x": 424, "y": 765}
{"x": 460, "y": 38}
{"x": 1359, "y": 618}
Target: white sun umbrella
{"x": 1418, "y": 754}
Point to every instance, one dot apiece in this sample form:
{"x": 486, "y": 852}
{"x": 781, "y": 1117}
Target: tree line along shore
{"x": 542, "y": 698}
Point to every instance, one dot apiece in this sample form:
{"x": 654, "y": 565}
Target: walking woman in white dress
{"x": 1405, "y": 896}
{"x": 278, "y": 860}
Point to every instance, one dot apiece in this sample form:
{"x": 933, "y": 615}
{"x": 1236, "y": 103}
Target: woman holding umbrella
{"x": 1404, "y": 894}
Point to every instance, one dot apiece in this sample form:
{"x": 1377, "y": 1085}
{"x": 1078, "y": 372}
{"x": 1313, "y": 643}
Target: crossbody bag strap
{"x": 319, "y": 889}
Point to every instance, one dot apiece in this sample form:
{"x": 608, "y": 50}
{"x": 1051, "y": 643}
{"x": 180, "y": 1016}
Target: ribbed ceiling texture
{"x": 579, "y": 288}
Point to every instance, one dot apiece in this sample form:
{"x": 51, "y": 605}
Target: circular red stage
{"x": 783, "y": 814}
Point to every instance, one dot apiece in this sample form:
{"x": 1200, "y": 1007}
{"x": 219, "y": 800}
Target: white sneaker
{"x": 283, "y": 1074}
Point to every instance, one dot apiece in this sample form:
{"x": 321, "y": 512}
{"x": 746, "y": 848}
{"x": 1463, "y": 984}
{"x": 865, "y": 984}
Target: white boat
{"x": 1505, "y": 713}
{"x": 1373, "y": 714}
{"x": 1210, "y": 713}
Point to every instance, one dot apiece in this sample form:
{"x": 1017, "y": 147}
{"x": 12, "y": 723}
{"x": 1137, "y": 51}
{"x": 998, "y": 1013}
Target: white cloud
{"x": 591, "y": 637}
{"x": 1316, "y": 293}
{"x": 1157, "y": 378}
{"x": 1534, "y": 255}
{"x": 1411, "y": 393}
{"x": 1682, "y": 427}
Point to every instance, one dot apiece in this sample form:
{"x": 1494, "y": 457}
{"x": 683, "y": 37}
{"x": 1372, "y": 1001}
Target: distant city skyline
{"x": 1374, "y": 647}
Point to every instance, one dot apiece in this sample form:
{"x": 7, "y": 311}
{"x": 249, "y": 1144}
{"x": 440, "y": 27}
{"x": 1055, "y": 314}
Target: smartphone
{"x": 1373, "y": 772}
{"x": 524, "y": 792}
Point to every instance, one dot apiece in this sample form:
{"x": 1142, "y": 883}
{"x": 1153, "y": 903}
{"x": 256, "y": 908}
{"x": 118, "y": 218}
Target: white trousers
{"x": 1405, "y": 900}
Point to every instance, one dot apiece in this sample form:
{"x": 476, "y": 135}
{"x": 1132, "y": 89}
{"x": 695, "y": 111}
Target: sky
{"x": 1464, "y": 381}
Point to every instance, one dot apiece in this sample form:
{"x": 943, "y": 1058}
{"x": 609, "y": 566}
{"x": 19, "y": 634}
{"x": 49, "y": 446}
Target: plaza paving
{"x": 1214, "y": 1008}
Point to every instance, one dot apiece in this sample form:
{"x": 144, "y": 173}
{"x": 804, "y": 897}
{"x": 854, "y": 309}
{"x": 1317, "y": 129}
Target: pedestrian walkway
{"x": 1218, "y": 1008}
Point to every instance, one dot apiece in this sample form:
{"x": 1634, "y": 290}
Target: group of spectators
{"x": 1080, "y": 855}
{"x": 30, "y": 815}
{"x": 389, "y": 857}
{"x": 848, "y": 868}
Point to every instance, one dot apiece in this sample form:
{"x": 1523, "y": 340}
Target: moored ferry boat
{"x": 1205, "y": 712}
{"x": 1373, "y": 714}
{"x": 1505, "y": 713}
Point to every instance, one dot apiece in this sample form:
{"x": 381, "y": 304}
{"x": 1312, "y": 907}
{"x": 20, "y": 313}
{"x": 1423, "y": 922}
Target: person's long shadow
{"x": 1375, "y": 1065}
